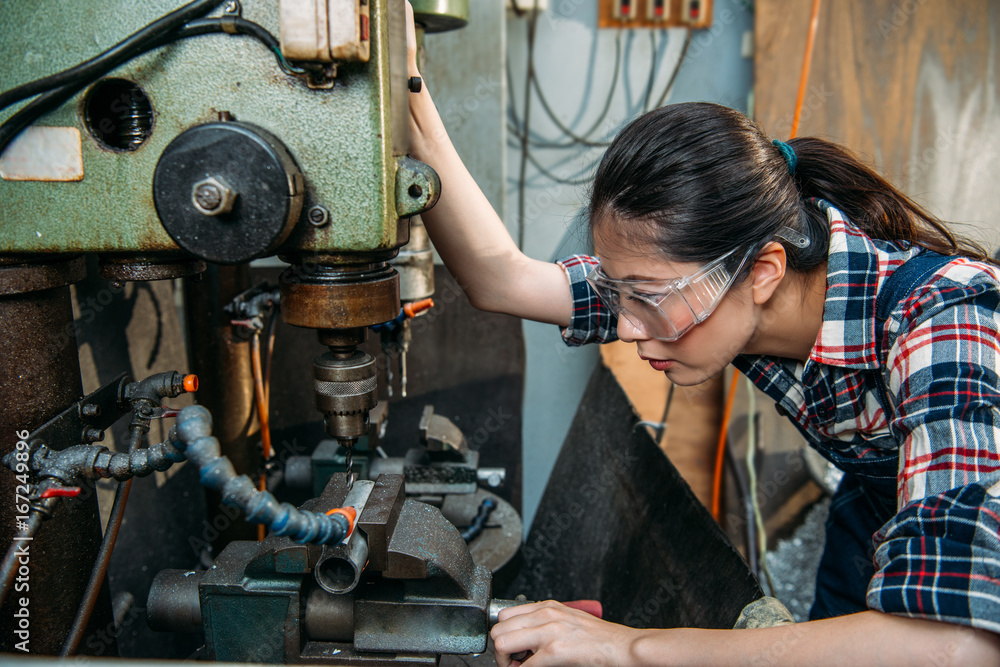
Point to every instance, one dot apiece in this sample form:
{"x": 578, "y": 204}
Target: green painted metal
{"x": 341, "y": 138}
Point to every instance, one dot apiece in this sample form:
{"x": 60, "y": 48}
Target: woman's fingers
{"x": 411, "y": 42}
{"x": 521, "y": 609}
{"x": 553, "y": 634}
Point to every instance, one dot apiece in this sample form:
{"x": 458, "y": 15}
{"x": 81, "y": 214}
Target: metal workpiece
{"x": 228, "y": 192}
{"x": 345, "y": 389}
{"x": 340, "y": 566}
{"x": 193, "y": 433}
{"x": 415, "y": 264}
{"x": 325, "y": 296}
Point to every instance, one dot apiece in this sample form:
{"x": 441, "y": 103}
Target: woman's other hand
{"x": 550, "y": 633}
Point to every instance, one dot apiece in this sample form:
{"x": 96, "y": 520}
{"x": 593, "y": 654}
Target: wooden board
{"x": 909, "y": 84}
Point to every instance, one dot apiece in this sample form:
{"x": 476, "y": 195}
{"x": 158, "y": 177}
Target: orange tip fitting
{"x": 417, "y": 307}
{"x": 349, "y": 513}
{"x": 190, "y": 383}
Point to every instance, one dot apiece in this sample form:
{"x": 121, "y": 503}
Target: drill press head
{"x": 341, "y": 302}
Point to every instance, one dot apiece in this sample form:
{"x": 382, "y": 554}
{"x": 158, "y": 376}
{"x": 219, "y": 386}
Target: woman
{"x": 718, "y": 246}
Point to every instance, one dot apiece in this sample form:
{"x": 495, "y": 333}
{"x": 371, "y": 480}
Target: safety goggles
{"x": 667, "y": 309}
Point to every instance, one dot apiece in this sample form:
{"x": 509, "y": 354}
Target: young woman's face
{"x": 707, "y": 348}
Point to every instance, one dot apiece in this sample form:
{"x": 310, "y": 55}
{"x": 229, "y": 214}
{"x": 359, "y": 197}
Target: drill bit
{"x": 402, "y": 372}
{"x": 349, "y": 462}
{"x": 388, "y": 371}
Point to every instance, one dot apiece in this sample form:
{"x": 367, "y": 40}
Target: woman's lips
{"x": 660, "y": 364}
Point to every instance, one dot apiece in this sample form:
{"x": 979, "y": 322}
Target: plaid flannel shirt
{"x": 939, "y": 556}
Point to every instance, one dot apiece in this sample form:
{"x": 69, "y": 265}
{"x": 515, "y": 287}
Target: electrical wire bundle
{"x": 54, "y": 90}
{"x": 589, "y": 139}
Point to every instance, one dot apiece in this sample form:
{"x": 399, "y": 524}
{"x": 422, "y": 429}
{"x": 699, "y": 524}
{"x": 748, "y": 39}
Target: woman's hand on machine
{"x": 550, "y": 634}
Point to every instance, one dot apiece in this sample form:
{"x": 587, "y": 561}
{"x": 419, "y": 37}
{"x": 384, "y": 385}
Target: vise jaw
{"x": 401, "y": 590}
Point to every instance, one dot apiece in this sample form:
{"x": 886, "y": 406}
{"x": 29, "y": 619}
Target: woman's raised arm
{"x": 467, "y": 232}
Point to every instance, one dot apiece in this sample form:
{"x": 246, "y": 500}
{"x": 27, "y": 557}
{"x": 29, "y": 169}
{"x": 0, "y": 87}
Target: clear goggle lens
{"x": 666, "y": 310}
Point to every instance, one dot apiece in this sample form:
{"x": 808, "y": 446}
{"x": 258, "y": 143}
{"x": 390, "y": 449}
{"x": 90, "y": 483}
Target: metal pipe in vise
{"x": 194, "y": 438}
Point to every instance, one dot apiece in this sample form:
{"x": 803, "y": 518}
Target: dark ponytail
{"x": 831, "y": 172}
{"x": 697, "y": 180}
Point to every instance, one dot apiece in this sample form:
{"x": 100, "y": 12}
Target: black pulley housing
{"x": 227, "y": 192}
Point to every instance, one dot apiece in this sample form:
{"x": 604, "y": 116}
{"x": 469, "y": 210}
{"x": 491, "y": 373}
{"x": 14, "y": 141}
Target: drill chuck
{"x": 345, "y": 388}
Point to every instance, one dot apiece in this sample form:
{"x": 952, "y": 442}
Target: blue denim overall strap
{"x": 866, "y": 497}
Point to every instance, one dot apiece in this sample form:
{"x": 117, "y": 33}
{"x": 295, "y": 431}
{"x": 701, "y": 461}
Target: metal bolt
{"x": 234, "y": 7}
{"x": 415, "y": 84}
{"x": 91, "y": 410}
{"x": 209, "y": 197}
{"x": 492, "y": 477}
{"x": 415, "y": 191}
{"x": 318, "y": 216}
{"x": 93, "y": 435}
{"x": 213, "y": 196}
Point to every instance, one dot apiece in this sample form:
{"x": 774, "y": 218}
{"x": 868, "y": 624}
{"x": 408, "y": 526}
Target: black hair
{"x": 696, "y": 180}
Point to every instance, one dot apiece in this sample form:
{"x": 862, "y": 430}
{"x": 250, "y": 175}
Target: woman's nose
{"x": 630, "y": 333}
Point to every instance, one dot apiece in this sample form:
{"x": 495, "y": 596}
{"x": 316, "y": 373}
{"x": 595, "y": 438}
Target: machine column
{"x": 40, "y": 377}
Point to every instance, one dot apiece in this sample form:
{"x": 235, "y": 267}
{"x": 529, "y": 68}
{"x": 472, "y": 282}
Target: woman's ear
{"x": 767, "y": 272}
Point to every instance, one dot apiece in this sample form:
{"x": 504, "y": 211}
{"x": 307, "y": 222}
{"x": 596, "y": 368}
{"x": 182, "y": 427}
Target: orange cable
{"x": 720, "y": 453}
{"x": 262, "y": 414}
{"x": 806, "y": 63}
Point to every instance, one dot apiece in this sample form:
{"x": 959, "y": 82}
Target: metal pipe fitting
{"x": 160, "y": 385}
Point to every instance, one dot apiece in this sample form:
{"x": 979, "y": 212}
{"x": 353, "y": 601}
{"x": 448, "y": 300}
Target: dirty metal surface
{"x": 501, "y": 536}
{"x": 618, "y": 524}
{"x": 96, "y": 411}
{"x": 24, "y": 278}
{"x": 339, "y": 305}
{"x": 39, "y": 378}
{"x": 131, "y": 268}
{"x": 341, "y": 138}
